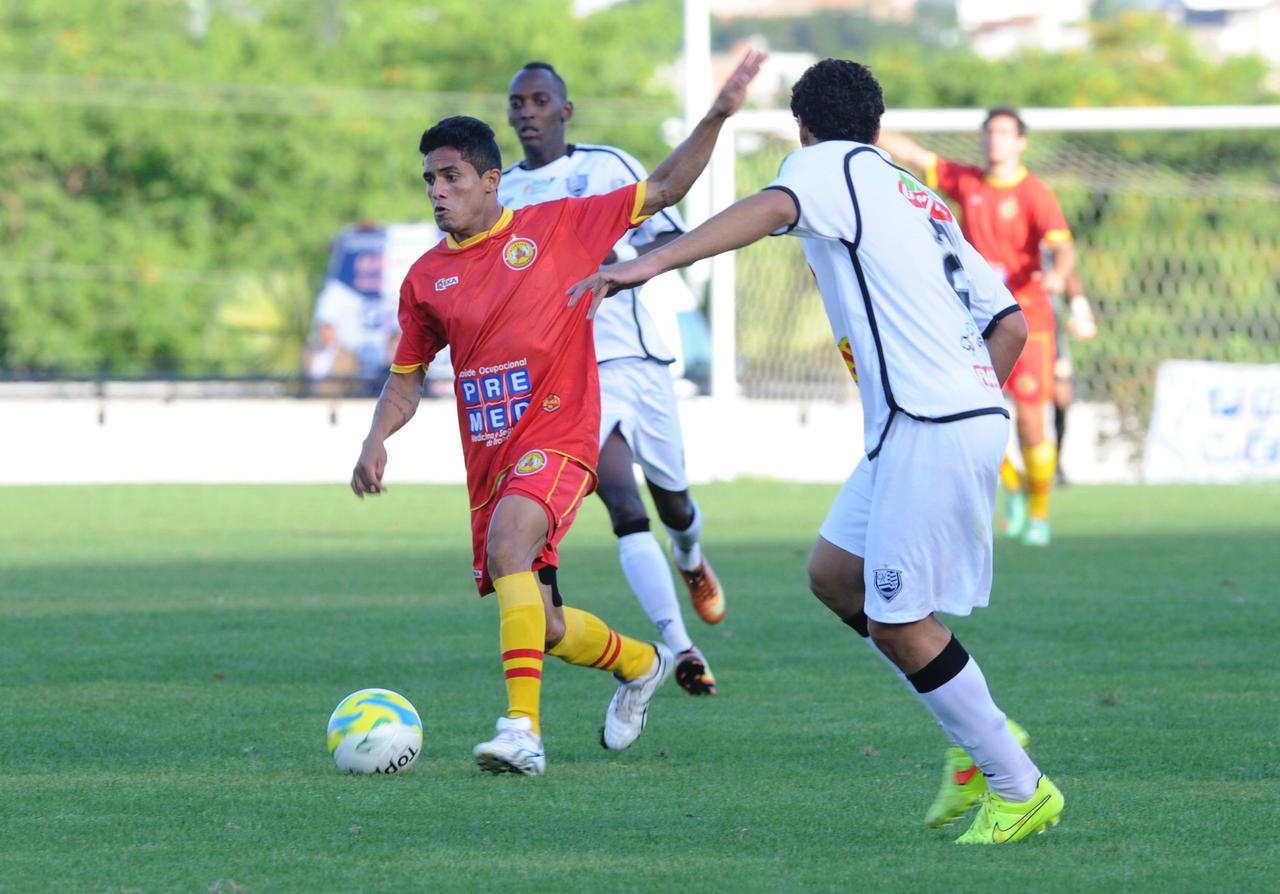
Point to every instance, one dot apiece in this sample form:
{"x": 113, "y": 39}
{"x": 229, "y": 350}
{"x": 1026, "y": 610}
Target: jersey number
{"x": 951, "y": 265}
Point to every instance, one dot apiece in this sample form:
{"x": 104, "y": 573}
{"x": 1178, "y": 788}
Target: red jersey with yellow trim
{"x": 1005, "y": 220}
{"x": 525, "y": 361}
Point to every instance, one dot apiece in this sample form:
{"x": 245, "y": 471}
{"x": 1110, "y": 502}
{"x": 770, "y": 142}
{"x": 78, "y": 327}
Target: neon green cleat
{"x": 963, "y": 784}
{"x": 1014, "y": 520}
{"x": 1037, "y": 533}
{"x": 1004, "y": 822}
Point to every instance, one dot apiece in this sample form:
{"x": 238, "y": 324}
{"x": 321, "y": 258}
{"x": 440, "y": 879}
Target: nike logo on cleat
{"x": 1000, "y": 836}
{"x": 963, "y": 776}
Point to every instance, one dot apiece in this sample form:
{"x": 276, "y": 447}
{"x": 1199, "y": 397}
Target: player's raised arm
{"x": 396, "y": 406}
{"x": 905, "y": 150}
{"x": 672, "y": 178}
{"x": 742, "y": 223}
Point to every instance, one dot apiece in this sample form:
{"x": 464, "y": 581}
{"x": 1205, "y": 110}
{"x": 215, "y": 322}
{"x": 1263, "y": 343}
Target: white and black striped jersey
{"x": 909, "y": 300}
{"x": 623, "y": 326}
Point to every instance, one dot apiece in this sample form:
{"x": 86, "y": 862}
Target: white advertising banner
{"x": 1214, "y": 423}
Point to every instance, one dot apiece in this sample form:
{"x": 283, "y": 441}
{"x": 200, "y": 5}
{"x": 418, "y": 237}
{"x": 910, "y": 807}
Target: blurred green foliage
{"x": 172, "y": 171}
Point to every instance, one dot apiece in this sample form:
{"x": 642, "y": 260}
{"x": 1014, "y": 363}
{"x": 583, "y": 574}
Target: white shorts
{"x": 636, "y": 397}
{"x": 919, "y": 515}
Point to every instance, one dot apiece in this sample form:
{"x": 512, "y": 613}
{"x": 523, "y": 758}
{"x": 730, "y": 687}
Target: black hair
{"x": 837, "y": 99}
{"x": 472, "y": 138}
{"x": 549, "y": 69}
{"x": 1006, "y": 112}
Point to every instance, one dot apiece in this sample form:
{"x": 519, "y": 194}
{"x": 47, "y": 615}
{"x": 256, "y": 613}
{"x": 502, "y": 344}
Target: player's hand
{"x": 366, "y": 477}
{"x": 605, "y": 282}
{"x": 734, "y": 91}
{"x": 1054, "y": 282}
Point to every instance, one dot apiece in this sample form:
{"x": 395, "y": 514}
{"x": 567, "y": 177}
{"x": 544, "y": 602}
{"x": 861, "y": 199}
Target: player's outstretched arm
{"x": 396, "y": 406}
{"x": 742, "y": 223}
{"x": 1004, "y": 343}
{"x": 672, "y": 178}
{"x": 905, "y": 150}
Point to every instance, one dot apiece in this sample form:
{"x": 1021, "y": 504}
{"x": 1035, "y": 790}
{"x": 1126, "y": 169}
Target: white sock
{"x": 685, "y": 545}
{"x": 649, "y": 574}
{"x": 871, "y": 644}
{"x": 964, "y": 707}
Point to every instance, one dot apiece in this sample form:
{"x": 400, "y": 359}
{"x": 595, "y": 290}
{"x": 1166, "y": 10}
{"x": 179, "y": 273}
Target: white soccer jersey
{"x": 909, "y": 300}
{"x": 623, "y": 326}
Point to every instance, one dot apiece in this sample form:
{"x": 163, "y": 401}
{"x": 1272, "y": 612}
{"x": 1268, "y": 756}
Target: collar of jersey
{"x": 1005, "y": 182}
{"x": 504, "y": 221}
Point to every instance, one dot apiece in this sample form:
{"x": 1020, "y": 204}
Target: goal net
{"x": 1176, "y": 217}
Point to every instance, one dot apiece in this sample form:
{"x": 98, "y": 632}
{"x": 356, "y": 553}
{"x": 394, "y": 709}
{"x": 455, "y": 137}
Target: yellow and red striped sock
{"x": 1009, "y": 476}
{"x": 589, "y": 642}
{"x": 522, "y": 632}
{"x": 1041, "y": 461}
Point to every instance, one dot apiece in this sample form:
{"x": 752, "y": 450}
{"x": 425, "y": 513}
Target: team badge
{"x": 551, "y": 403}
{"x": 846, "y": 352}
{"x": 519, "y": 253}
{"x": 576, "y": 185}
{"x": 888, "y": 582}
{"x": 531, "y": 463}
{"x": 1009, "y": 208}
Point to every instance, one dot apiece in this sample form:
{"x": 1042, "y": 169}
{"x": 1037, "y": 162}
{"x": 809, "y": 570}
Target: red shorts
{"x": 556, "y": 482}
{"x": 1031, "y": 381}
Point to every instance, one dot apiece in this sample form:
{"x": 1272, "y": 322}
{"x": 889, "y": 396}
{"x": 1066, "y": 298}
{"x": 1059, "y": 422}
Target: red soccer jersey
{"x": 1005, "y": 220}
{"x": 525, "y": 362}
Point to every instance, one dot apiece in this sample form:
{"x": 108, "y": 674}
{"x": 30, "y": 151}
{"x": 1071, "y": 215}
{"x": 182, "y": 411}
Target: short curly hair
{"x": 837, "y": 99}
{"x": 473, "y": 139}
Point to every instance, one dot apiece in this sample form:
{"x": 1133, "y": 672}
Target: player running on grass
{"x": 528, "y": 402}
{"x": 934, "y": 333}
{"x": 640, "y": 421}
{"x": 1007, "y": 214}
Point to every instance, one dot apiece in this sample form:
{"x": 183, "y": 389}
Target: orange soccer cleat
{"x": 705, "y": 592}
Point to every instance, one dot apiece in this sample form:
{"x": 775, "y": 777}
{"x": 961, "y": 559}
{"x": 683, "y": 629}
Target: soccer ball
{"x": 375, "y": 731}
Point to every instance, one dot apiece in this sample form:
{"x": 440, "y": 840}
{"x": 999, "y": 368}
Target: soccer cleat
{"x": 963, "y": 784}
{"x": 629, "y": 709}
{"x": 1037, "y": 533}
{"x": 692, "y": 673}
{"x": 1004, "y": 822}
{"x": 1015, "y": 514}
{"x": 515, "y": 749}
{"x": 705, "y": 592}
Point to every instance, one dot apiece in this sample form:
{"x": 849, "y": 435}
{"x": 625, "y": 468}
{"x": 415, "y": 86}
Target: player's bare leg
{"x": 1062, "y": 397}
{"x": 683, "y": 521}
{"x": 1039, "y": 458}
{"x": 644, "y": 564}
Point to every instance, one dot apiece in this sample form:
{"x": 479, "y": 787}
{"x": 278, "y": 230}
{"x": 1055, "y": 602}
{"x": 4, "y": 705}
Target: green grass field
{"x": 169, "y": 657}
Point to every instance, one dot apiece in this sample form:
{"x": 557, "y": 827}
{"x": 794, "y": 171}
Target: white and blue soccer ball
{"x": 375, "y": 731}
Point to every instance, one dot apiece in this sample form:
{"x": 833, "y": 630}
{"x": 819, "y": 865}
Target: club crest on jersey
{"x": 551, "y": 403}
{"x": 888, "y": 582}
{"x": 1009, "y": 208}
{"x": 846, "y": 352}
{"x": 531, "y": 463}
{"x": 576, "y": 185}
{"x": 519, "y": 253}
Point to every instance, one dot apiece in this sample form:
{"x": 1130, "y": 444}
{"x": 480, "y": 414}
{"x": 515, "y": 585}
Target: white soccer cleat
{"x": 515, "y": 749}
{"x": 629, "y": 708}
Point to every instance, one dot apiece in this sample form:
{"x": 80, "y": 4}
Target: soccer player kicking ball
{"x": 931, "y": 333}
{"x": 528, "y": 402}
{"x": 1008, "y": 214}
{"x": 639, "y": 420}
